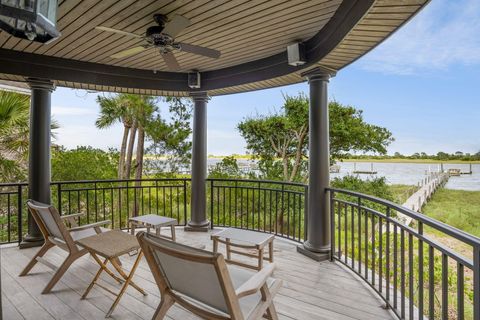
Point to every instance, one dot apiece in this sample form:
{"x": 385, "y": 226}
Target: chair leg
{"x": 59, "y": 273}
{"x": 46, "y": 246}
{"x": 272, "y": 312}
{"x": 162, "y": 309}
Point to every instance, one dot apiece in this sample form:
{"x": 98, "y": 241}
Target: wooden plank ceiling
{"x": 243, "y": 30}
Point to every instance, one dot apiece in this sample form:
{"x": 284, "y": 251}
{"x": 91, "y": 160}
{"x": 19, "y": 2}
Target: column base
{"x": 317, "y": 256}
{"x": 30, "y": 242}
{"x": 197, "y": 227}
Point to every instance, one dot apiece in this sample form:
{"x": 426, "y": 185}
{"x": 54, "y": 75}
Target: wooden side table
{"x": 154, "y": 221}
{"x": 111, "y": 245}
{"x": 248, "y": 240}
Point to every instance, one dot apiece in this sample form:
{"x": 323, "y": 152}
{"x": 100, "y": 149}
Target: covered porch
{"x": 386, "y": 260}
{"x": 310, "y": 290}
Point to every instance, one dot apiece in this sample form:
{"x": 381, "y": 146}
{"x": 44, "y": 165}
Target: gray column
{"x": 199, "y": 221}
{"x": 317, "y": 244}
{"x": 39, "y": 153}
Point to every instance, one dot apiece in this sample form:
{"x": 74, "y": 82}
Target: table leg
{"x": 125, "y": 276}
{"x": 229, "y": 253}
{"x": 157, "y": 231}
{"x": 260, "y": 258}
{"x": 172, "y": 230}
{"x": 132, "y": 229}
{"x": 90, "y": 286}
{"x": 270, "y": 251}
{"x": 125, "y": 285}
{"x": 215, "y": 245}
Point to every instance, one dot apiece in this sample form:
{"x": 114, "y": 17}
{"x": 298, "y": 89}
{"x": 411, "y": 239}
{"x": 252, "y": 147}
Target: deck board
{"x": 311, "y": 290}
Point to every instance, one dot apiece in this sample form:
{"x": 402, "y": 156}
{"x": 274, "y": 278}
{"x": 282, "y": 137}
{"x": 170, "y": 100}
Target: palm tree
{"x": 135, "y": 112}
{"x": 14, "y": 110}
{"x": 145, "y": 108}
{"x": 15, "y": 134}
{"x": 118, "y": 109}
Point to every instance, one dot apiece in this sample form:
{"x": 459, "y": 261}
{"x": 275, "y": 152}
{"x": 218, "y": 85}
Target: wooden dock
{"x": 428, "y": 186}
{"x": 371, "y": 171}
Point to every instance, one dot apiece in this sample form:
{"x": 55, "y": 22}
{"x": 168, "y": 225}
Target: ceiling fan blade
{"x": 125, "y": 33}
{"x": 207, "y": 52}
{"x": 176, "y": 25}
{"x": 170, "y": 61}
{"x": 128, "y": 52}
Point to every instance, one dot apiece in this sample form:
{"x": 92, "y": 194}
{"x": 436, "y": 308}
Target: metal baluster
{"x": 184, "y": 202}
{"x": 332, "y": 225}
{"x": 476, "y": 282}
{"x": 387, "y": 258}
{"x": 366, "y": 245}
{"x": 20, "y": 213}
{"x": 9, "y": 227}
{"x": 380, "y": 255}
{"x": 420, "y": 272}
{"x": 373, "y": 249}
{"x": 431, "y": 282}
{"x": 339, "y": 231}
{"x": 410, "y": 277}
{"x": 345, "y": 229}
{"x": 352, "y": 235}
{"x": 460, "y": 292}
{"x": 444, "y": 286}
{"x": 395, "y": 266}
{"x": 402, "y": 272}
{"x": 359, "y": 206}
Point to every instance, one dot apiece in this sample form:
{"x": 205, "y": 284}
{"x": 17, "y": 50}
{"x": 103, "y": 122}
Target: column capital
{"x": 44, "y": 84}
{"x": 319, "y": 73}
{"x": 199, "y": 96}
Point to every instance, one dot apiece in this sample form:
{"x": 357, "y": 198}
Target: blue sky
{"x": 423, "y": 84}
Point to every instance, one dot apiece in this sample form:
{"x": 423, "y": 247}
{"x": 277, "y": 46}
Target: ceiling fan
{"x": 162, "y": 37}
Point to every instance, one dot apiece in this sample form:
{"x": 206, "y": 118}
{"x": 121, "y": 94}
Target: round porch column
{"x": 39, "y": 153}
{"x": 199, "y": 221}
{"x": 317, "y": 243}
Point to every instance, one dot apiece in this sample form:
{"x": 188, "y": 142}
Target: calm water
{"x": 411, "y": 173}
{"x": 401, "y": 173}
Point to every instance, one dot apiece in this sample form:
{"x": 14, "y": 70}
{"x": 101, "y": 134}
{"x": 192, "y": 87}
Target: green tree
{"x": 135, "y": 112}
{"x": 83, "y": 163}
{"x": 227, "y": 168}
{"x": 112, "y": 110}
{"x": 169, "y": 137}
{"x": 284, "y": 135}
{"x": 15, "y": 135}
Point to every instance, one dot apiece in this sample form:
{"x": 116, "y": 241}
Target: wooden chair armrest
{"x": 254, "y": 284}
{"x": 70, "y": 219}
{"x": 91, "y": 225}
{"x": 73, "y": 215}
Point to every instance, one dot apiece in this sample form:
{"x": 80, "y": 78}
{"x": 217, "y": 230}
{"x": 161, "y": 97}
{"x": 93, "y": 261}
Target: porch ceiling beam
{"x": 24, "y": 64}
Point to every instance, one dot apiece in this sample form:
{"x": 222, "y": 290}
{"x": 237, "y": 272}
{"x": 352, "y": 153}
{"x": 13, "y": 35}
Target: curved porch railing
{"x": 426, "y": 269}
{"x": 269, "y": 206}
{"x": 418, "y": 270}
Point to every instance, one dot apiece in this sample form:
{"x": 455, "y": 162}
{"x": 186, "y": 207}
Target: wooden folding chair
{"x": 201, "y": 282}
{"x": 55, "y": 233}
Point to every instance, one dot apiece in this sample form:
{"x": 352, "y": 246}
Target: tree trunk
{"x": 139, "y": 166}
{"x": 298, "y": 156}
{"x": 131, "y": 144}
{"x": 140, "y": 152}
{"x": 123, "y": 148}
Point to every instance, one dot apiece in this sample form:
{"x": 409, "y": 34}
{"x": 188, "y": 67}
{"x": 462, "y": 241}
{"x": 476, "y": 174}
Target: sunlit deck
{"x": 311, "y": 290}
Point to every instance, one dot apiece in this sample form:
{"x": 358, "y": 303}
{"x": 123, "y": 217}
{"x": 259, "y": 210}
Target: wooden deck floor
{"x": 311, "y": 290}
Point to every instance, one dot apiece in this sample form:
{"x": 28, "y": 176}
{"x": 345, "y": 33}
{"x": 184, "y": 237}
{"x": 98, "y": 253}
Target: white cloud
{"x": 444, "y": 33}
{"x": 72, "y": 111}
